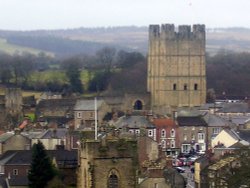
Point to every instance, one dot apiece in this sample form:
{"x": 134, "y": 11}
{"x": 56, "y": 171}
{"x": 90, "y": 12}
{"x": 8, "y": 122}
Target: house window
{"x": 172, "y": 144}
{"x": 131, "y": 131}
{"x": 163, "y": 133}
{"x": 172, "y": 133}
{"x": 150, "y": 133}
{"x": 137, "y": 132}
{"x": 195, "y": 87}
{"x": 79, "y": 115}
{"x": 185, "y": 87}
{"x": 216, "y": 130}
{"x": 201, "y": 136}
{"x": 15, "y": 172}
{"x": 91, "y": 115}
{"x": 174, "y": 87}
{"x": 185, "y": 148}
{"x": 193, "y": 136}
{"x": 163, "y": 144}
{"x": 185, "y": 137}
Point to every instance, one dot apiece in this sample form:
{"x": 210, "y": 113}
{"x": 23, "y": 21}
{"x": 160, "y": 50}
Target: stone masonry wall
{"x": 176, "y": 66}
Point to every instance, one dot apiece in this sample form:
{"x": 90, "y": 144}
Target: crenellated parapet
{"x": 168, "y": 31}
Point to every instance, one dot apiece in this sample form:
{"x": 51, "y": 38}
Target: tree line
{"x": 117, "y": 71}
{"x": 102, "y": 69}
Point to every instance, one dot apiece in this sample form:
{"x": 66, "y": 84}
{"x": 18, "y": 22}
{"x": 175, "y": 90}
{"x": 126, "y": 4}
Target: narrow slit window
{"x": 174, "y": 87}
{"x": 195, "y": 87}
{"x": 185, "y": 87}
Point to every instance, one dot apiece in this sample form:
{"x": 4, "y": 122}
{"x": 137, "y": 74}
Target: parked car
{"x": 180, "y": 169}
{"x": 177, "y": 162}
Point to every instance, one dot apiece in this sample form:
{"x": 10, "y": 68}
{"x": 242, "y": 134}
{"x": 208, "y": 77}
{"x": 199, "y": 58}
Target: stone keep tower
{"x": 13, "y": 100}
{"x": 176, "y": 67}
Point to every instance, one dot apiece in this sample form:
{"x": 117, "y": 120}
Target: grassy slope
{"x": 11, "y": 49}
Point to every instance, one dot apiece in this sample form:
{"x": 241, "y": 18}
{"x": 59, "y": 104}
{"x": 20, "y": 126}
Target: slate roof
{"x": 234, "y": 108}
{"x": 216, "y": 121}
{"x": 191, "y": 121}
{"x": 6, "y": 156}
{"x": 51, "y": 133}
{"x": 87, "y": 105}
{"x": 66, "y": 105}
{"x": 3, "y": 182}
{"x": 244, "y": 134}
{"x": 18, "y": 181}
{"x": 61, "y": 121}
{"x": 238, "y": 120}
{"x": 208, "y": 106}
{"x": 6, "y": 136}
{"x": 62, "y": 157}
{"x": 133, "y": 122}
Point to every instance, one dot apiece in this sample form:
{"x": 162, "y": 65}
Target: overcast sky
{"x": 63, "y": 14}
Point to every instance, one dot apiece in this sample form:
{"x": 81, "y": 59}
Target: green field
{"x": 12, "y": 49}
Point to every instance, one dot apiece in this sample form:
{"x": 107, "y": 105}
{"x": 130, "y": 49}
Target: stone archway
{"x": 138, "y": 105}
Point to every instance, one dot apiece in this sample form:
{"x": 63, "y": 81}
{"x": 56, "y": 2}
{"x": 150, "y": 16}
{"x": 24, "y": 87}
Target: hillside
{"x": 13, "y": 48}
{"x": 88, "y": 40}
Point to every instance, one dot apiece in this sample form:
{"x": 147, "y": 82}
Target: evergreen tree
{"x": 42, "y": 170}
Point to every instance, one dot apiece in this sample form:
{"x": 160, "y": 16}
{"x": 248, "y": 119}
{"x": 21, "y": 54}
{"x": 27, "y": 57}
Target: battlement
{"x": 168, "y": 31}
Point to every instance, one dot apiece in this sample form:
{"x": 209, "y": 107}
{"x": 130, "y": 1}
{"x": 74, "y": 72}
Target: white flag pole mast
{"x": 95, "y": 119}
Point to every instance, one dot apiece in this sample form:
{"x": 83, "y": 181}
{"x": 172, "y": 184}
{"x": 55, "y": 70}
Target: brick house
{"x": 17, "y": 165}
{"x": 193, "y": 133}
{"x": 167, "y": 135}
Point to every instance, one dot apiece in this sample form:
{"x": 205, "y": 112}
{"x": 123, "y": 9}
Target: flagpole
{"x": 95, "y": 119}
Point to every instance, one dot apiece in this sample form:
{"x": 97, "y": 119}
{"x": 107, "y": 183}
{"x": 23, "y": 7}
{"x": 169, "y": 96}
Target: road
{"x": 189, "y": 176}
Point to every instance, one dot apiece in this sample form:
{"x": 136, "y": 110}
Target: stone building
{"x": 13, "y": 100}
{"x": 107, "y": 162}
{"x": 176, "y": 67}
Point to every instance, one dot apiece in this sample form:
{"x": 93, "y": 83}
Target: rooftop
{"x": 220, "y": 164}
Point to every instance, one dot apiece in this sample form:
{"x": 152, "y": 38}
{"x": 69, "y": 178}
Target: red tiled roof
{"x": 164, "y": 122}
{"x": 23, "y": 124}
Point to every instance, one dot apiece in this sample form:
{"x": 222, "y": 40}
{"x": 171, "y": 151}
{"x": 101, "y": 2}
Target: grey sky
{"x": 55, "y": 14}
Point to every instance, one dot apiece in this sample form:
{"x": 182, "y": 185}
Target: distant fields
{"x": 11, "y": 48}
{"x": 46, "y": 76}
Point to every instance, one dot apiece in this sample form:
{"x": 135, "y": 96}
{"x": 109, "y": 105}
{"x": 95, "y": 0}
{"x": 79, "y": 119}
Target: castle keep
{"x": 176, "y": 67}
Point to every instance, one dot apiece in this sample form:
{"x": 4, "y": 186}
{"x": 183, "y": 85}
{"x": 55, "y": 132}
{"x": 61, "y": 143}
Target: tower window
{"x": 113, "y": 181}
{"x": 185, "y": 87}
{"x": 195, "y": 86}
{"x": 174, "y": 87}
